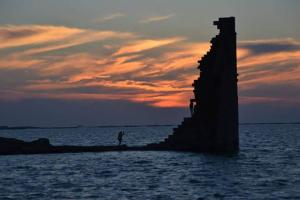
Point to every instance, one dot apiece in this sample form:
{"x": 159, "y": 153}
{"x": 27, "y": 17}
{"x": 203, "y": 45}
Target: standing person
{"x": 120, "y": 137}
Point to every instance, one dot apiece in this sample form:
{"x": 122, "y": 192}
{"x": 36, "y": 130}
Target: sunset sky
{"x": 109, "y": 62}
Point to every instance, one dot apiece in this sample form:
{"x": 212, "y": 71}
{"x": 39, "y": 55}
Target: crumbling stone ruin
{"x": 213, "y": 125}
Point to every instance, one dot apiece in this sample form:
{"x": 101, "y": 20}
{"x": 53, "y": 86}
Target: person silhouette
{"x": 120, "y": 137}
{"x": 192, "y": 106}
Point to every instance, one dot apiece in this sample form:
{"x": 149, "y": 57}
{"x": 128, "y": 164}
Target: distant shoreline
{"x": 255, "y": 123}
{"x": 74, "y": 127}
{"x": 123, "y": 126}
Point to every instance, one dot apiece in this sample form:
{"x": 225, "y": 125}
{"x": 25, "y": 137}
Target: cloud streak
{"x": 156, "y": 18}
{"x": 109, "y": 18}
{"x": 16, "y": 36}
{"x": 143, "y": 45}
{"x": 49, "y": 38}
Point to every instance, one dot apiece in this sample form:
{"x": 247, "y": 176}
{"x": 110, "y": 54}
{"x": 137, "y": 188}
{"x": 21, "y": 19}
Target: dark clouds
{"x": 271, "y": 46}
{"x": 269, "y": 112}
{"x": 47, "y": 112}
{"x": 13, "y": 34}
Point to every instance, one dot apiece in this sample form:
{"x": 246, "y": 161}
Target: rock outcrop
{"x": 15, "y": 146}
{"x": 11, "y": 146}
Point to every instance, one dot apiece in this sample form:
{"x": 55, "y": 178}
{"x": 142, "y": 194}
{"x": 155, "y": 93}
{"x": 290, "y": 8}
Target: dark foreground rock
{"x": 11, "y": 146}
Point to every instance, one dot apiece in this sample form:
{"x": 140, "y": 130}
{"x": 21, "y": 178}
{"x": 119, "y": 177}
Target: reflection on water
{"x": 268, "y": 167}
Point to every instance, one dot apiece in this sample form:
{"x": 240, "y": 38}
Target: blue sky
{"x": 69, "y": 62}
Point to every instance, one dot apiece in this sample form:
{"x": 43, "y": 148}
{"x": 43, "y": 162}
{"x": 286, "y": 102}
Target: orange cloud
{"x": 49, "y": 38}
{"x": 16, "y": 62}
{"x": 14, "y": 36}
{"x": 259, "y": 60}
{"x": 177, "y": 99}
{"x": 83, "y": 38}
{"x": 142, "y": 45}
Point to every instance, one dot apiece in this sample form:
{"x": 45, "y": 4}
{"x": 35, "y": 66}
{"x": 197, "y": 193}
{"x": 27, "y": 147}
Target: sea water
{"x": 267, "y": 167}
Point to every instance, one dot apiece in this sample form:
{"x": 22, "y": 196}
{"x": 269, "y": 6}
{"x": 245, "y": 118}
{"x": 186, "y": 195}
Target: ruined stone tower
{"x": 213, "y": 125}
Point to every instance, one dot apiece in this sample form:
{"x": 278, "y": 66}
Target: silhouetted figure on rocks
{"x": 192, "y": 106}
{"x": 120, "y": 137}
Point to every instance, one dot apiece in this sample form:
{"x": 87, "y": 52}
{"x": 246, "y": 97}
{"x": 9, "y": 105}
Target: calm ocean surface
{"x": 267, "y": 167}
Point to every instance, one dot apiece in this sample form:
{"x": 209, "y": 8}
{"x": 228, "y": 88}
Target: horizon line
{"x": 4, "y": 127}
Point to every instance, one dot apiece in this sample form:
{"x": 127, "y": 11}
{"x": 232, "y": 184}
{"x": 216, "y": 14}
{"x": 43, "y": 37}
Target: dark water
{"x": 268, "y": 167}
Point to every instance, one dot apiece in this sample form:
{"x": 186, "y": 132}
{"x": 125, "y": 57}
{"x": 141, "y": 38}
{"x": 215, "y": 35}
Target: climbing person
{"x": 120, "y": 137}
{"x": 192, "y": 106}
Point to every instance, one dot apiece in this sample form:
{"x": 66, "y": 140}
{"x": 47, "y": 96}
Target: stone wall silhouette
{"x": 213, "y": 125}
